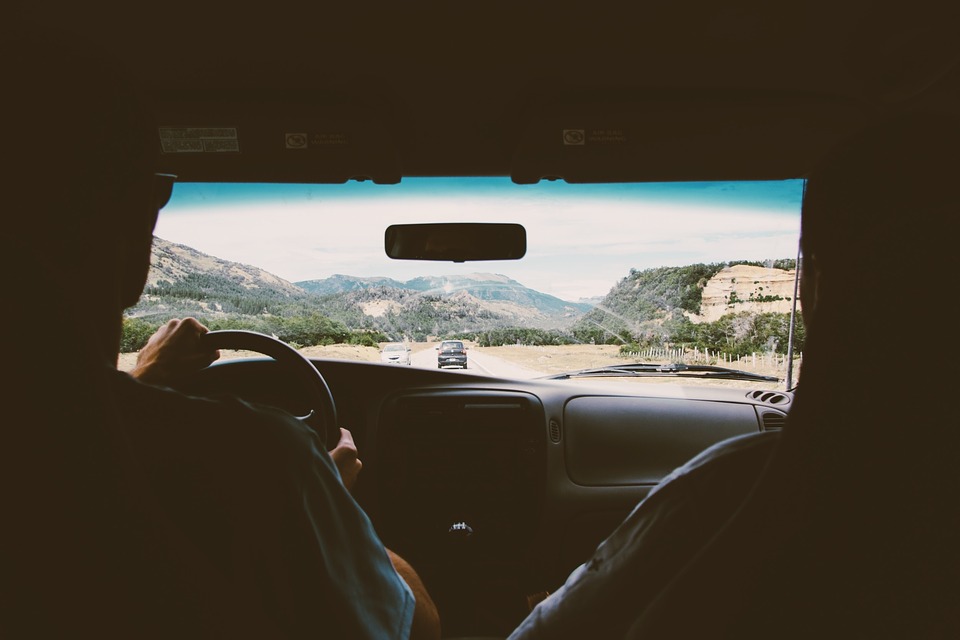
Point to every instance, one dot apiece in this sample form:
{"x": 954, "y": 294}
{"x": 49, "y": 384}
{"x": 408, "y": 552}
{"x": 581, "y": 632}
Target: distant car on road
{"x": 395, "y": 353}
{"x": 451, "y": 353}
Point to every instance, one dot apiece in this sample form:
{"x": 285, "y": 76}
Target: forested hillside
{"x": 228, "y": 295}
{"x": 661, "y": 306}
{"x": 732, "y": 307}
{"x": 185, "y": 282}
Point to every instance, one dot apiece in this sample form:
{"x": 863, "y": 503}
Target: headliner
{"x": 690, "y": 90}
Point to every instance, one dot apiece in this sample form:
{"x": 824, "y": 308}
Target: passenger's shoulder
{"x": 740, "y": 457}
{"x": 736, "y": 449}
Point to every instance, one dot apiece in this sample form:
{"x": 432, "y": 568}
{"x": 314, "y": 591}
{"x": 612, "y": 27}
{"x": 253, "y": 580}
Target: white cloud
{"x": 577, "y": 247}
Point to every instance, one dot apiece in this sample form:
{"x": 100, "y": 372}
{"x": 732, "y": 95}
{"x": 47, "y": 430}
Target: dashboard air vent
{"x": 554, "y": 431}
{"x": 775, "y": 398}
{"x": 773, "y": 421}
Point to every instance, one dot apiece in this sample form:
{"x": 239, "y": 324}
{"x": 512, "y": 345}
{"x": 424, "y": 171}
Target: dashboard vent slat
{"x": 773, "y": 421}
{"x": 554, "y": 431}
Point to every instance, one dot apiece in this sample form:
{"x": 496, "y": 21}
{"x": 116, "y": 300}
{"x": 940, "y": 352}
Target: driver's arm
{"x": 346, "y": 458}
{"x": 426, "y": 619}
{"x": 175, "y": 349}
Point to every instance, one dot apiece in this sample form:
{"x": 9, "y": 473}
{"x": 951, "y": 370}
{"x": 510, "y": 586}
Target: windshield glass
{"x": 695, "y": 273}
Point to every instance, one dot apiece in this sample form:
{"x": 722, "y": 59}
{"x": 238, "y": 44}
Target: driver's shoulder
{"x": 219, "y": 426}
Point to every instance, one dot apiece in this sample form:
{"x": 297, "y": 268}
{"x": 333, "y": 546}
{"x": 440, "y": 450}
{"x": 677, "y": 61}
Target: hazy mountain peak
{"x": 493, "y": 294}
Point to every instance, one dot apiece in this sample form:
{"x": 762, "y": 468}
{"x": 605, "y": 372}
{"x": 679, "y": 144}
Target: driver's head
{"x": 83, "y": 186}
{"x": 86, "y": 150}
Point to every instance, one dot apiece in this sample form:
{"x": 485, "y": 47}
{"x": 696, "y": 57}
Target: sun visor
{"x": 687, "y": 136}
{"x": 295, "y": 138}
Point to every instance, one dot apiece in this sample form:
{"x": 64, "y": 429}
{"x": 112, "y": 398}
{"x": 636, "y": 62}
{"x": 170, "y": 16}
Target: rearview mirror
{"x": 456, "y": 241}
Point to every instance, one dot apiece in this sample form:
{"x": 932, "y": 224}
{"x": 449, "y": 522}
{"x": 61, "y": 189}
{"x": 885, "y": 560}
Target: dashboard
{"x": 495, "y": 489}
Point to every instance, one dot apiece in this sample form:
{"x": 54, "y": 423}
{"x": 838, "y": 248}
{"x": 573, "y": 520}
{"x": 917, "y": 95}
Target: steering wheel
{"x": 322, "y": 417}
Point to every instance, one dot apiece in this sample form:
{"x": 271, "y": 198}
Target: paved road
{"x": 478, "y": 362}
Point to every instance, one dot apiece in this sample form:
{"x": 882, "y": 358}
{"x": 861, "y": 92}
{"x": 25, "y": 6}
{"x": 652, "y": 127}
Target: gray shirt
{"x": 603, "y": 596}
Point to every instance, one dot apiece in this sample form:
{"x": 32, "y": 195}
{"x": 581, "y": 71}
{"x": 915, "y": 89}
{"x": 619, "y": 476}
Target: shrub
{"x": 135, "y": 333}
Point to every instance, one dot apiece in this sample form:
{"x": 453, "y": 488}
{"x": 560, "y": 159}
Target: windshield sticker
{"x": 579, "y": 137}
{"x": 607, "y": 136}
{"x": 199, "y": 140}
{"x": 315, "y": 140}
{"x": 328, "y": 139}
{"x": 296, "y": 140}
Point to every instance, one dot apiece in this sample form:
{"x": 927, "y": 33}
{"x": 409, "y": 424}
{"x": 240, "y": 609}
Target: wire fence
{"x": 552, "y": 359}
{"x": 758, "y": 362}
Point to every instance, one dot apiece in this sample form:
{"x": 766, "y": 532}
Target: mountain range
{"x": 184, "y": 281}
{"x": 494, "y": 291}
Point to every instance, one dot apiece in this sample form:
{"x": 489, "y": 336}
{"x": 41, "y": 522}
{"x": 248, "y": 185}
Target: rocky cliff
{"x": 747, "y": 288}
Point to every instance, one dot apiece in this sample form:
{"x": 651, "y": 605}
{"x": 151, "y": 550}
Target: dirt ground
{"x": 561, "y": 359}
{"x": 549, "y": 360}
{"x": 336, "y": 352}
{"x": 557, "y": 359}
{"x": 546, "y": 359}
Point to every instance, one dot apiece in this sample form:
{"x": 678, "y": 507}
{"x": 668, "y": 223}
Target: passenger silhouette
{"x": 845, "y": 524}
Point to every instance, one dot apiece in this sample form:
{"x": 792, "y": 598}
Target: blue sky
{"x": 581, "y": 238}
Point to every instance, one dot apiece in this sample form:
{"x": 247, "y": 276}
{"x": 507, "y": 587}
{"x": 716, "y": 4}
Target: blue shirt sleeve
{"x": 330, "y": 572}
{"x": 256, "y": 493}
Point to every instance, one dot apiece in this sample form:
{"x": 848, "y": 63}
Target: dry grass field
{"x": 548, "y": 360}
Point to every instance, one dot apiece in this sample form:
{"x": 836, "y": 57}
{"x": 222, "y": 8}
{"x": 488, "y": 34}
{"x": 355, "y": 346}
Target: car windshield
{"x": 394, "y": 347}
{"x": 614, "y": 274}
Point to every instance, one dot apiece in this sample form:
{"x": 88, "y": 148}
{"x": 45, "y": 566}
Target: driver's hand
{"x": 172, "y": 351}
{"x": 345, "y": 457}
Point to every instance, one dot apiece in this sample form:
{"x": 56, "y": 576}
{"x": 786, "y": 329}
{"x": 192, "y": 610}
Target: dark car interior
{"x": 493, "y": 488}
